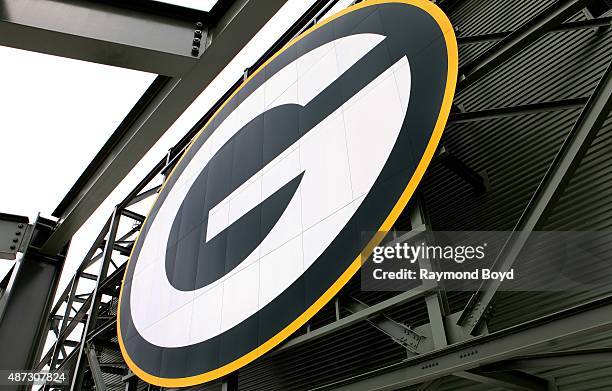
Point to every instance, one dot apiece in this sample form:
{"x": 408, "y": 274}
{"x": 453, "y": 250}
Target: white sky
{"x": 56, "y": 113}
{"x": 203, "y": 5}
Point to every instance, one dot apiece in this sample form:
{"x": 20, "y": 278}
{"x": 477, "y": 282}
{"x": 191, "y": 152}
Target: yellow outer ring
{"x": 451, "y": 45}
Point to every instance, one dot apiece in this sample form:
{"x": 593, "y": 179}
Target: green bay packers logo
{"x": 262, "y": 221}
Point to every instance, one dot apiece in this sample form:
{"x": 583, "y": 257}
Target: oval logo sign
{"x": 264, "y": 218}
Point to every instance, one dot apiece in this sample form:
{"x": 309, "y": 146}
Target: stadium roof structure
{"x": 526, "y": 148}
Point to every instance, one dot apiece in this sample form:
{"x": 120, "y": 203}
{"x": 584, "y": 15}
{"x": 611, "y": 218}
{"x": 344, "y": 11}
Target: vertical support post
{"x": 337, "y": 307}
{"x": 33, "y": 286}
{"x": 4, "y": 297}
{"x": 131, "y": 381}
{"x": 77, "y": 378}
{"x": 437, "y": 304}
{"x": 230, "y": 383}
{"x": 131, "y": 385}
{"x": 436, "y": 319}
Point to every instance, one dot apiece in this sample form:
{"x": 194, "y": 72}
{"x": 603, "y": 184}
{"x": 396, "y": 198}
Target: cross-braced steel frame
{"x": 449, "y": 344}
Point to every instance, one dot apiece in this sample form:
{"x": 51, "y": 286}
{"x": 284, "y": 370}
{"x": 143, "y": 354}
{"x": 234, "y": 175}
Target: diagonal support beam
{"x": 431, "y": 385}
{"x": 133, "y": 215}
{"x": 548, "y": 192}
{"x": 509, "y": 380}
{"x": 146, "y": 39}
{"x": 144, "y": 195}
{"x": 596, "y": 23}
{"x": 554, "y": 359}
{"x": 500, "y": 112}
{"x": 347, "y": 321}
{"x": 550, "y": 18}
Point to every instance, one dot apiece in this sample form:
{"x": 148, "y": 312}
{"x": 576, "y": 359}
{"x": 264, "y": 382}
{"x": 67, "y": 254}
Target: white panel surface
{"x": 291, "y": 221}
{"x": 378, "y": 130}
{"x": 315, "y": 79}
{"x": 278, "y": 85}
{"x": 277, "y": 268}
{"x": 218, "y": 219}
{"x": 348, "y": 53}
{"x": 326, "y": 186}
{"x": 162, "y": 328}
{"x": 205, "y": 323}
{"x": 240, "y": 296}
{"x": 318, "y": 237}
{"x": 280, "y": 171}
{"x": 141, "y": 304}
{"x": 401, "y": 71}
{"x": 288, "y": 96}
{"x": 246, "y": 199}
{"x": 309, "y": 60}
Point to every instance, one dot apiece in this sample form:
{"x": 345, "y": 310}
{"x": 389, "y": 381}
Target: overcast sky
{"x": 56, "y": 113}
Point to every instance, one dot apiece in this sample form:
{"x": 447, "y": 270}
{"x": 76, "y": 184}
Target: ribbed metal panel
{"x": 574, "y": 378}
{"x": 586, "y": 203}
{"x": 476, "y": 17}
{"x": 350, "y": 352}
{"x": 560, "y": 65}
{"x": 470, "y": 51}
{"x": 513, "y": 151}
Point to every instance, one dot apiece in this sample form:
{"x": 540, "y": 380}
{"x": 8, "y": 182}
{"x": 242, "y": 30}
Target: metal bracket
{"x": 131, "y": 381}
{"x": 399, "y": 332}
{"x": 478, "y": 180}
{"x": 13, "y": 229}
{"x": 200, "y": 36}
